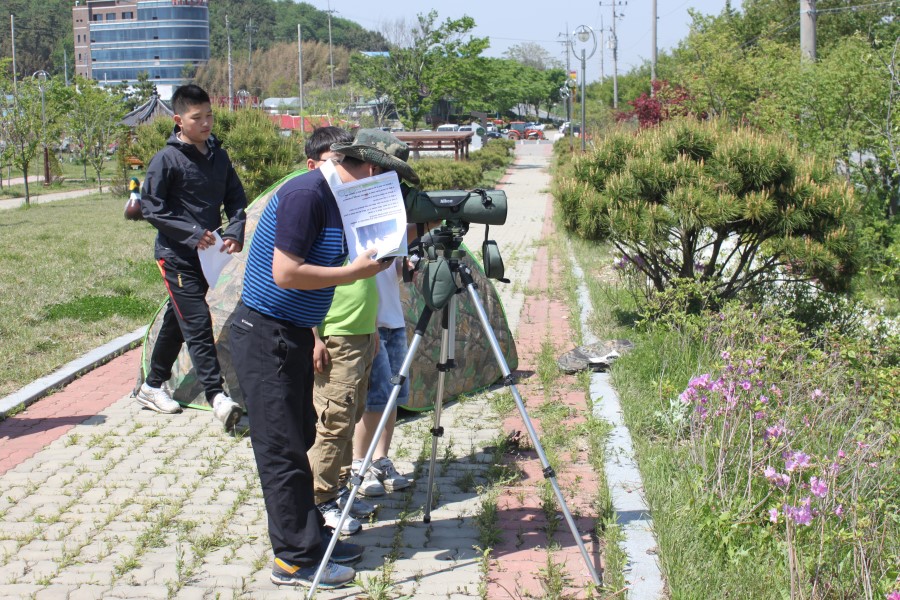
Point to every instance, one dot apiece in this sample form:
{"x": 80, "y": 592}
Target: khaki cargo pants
{"x": 339, "y": 397}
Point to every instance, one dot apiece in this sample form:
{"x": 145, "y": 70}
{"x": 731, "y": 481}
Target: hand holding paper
{"x": 213, "y": 260}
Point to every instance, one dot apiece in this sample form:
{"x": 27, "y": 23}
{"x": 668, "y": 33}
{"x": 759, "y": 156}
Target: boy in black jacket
{"x": 186, "y": 186}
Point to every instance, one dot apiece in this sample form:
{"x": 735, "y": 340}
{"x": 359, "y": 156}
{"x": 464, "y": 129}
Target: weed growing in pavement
{"x": 465, "y": 482}
{"x": 553, "y": 578}
{"x": 380, "y": 586}
{"x": 447, "y": 460}
{"x": 484, "y": 568}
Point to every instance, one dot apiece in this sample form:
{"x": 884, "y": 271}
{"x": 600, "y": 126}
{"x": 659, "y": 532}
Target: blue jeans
{"x": 387, "y": 364}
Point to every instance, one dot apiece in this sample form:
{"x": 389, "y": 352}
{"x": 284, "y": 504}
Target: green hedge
{"x": 449, "y": 174}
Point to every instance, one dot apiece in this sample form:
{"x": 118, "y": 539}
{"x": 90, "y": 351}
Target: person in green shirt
{"x": 342, "y": 361}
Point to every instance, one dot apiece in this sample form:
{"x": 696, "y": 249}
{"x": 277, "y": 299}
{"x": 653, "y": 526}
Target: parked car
{"x": 478, "y": 129}
{"x": 448, "y": 127}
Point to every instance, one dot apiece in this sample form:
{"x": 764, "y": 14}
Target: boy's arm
{"x": 293, "y": 272}
{"x": 157, "y": 212}
{"x": 235, "y": 203}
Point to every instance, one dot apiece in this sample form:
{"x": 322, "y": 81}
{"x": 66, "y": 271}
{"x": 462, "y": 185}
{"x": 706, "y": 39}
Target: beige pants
{"x": 339, "y": 397}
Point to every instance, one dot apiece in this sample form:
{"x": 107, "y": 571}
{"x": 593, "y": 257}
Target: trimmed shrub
{"x": 700, "y": 200}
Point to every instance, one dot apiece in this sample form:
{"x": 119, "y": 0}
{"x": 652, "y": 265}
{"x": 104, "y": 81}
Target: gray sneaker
{"x": 227, "y": 411}
{"x": 157, "y": 399}
{"x": 333, "y": 576}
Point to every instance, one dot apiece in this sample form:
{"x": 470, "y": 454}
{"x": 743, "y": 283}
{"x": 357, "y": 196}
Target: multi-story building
{"x": 116, "y": 40}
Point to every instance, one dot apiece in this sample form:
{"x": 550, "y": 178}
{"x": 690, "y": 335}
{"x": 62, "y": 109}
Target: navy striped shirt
{"x": 302, "y": 218}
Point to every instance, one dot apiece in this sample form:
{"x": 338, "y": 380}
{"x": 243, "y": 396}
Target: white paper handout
{"x": 213, "y": 261}
{"x": 374, "y": 215}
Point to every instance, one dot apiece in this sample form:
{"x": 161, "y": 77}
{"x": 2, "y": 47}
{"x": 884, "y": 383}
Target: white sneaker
{"x": 332, "y": 513}
{"x": 384, "y": 470}
{"x": 360, "y": 509}
{"x": 157, "y": 399}
{"x": 227, "y": 411}
{"x": 370, "y": 485}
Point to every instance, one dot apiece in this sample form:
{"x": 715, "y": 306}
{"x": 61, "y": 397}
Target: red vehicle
{"x": 518, "y": 130}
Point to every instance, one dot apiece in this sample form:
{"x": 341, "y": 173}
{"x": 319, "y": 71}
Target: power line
{"x": 846, "y": 8}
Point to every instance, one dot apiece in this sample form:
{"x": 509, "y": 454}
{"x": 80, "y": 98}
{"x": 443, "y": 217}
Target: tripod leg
{"x": 466, "y": 277}
{"x": 448, "y": 330}
{"x": 397, "y": 380}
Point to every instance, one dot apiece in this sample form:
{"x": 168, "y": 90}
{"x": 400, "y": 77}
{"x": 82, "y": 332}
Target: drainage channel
{"x": 642, "y": 574}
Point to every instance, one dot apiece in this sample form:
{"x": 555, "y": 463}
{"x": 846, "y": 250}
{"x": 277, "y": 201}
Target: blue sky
{"x": 510, "y": 23}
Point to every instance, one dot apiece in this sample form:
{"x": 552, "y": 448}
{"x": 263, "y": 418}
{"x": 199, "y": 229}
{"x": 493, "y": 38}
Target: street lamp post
{"x": 583, "y": 35}
{"x": 41, "y": 77}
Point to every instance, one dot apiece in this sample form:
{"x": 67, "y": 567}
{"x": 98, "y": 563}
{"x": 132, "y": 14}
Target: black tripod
{"x": 449, "y": 243}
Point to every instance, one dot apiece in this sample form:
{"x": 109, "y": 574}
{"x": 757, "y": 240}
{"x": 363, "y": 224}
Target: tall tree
{"x": 532, "y": 54}
{"x": 93, "y": 121}
{"x": 21, "y": 126}
{"x": 422, "y": 64}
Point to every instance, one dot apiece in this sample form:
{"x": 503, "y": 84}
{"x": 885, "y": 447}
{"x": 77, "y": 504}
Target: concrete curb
{"x": 69, "y": 372}
{"x": 626, "y": 487}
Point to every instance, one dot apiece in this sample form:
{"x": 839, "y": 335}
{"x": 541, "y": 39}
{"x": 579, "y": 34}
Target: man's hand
{"x": 231, "y": 246}
{"x": 208, "y": 240}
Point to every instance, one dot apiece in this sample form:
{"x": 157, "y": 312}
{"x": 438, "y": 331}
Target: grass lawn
{"x": 74, "y": 274}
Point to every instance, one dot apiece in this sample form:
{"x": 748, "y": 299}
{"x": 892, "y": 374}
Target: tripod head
{"x": 438, "y": 255}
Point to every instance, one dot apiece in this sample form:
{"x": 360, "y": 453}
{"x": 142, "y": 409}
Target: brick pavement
{"x": 99, "y": 498}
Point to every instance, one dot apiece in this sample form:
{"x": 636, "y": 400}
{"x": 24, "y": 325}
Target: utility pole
{"x": 250, "y": 45}
{"x": 602, "y": 66}
{"x": 66, "y": 66}
{"x": 614, "y": 45}
{"x": 12, "y": 33}
{"x": 653, "y": 48}
{"x": 568, "y": 67}
{"x": 230, "y": 68}
{"x": 808, "y": 30}
{"x": 300, "y": 76}
{"x": 330, "y": 52}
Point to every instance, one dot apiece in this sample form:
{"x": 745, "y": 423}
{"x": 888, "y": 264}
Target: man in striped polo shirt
{"x": 297, "y": 257}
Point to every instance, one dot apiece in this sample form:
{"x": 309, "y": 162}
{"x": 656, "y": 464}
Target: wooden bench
{"x": 433, "y": 141}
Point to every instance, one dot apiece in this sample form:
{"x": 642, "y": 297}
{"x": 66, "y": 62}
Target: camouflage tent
{"x": 476, "y": 366}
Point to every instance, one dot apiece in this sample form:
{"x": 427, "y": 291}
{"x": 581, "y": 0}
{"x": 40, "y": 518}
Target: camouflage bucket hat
{"x": 379, "y": 148}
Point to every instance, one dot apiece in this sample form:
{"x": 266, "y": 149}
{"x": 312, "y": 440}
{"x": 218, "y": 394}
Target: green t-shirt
{"x": 353, "y": 310}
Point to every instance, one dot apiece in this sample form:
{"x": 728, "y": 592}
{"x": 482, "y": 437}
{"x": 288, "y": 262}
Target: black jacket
{"x": 183, "y": 195}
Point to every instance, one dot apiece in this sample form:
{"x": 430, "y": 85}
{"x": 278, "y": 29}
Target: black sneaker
{"x": 333, "y": 576}
{"x": 343, "y": 552}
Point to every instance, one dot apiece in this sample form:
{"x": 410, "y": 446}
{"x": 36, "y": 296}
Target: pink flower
{"x": 746, "y": 385}
{"x": 763, "y": 400}
{"x": 725, "y": 355}
{"x": 801, "y": 515}
{"x": 895, "y": 595}
{"x": 759, "y": 415}
{"x": 841, "y": 454}
{"x": 773, "y": 515}
{"x": 773, "y": 432}
{"x": 817, "y": 393}
{"x": 769, "y": 472}
{"x": 817, "y": 487}
{"x": 796, "y": 461}
{"x": 839, "y": 511}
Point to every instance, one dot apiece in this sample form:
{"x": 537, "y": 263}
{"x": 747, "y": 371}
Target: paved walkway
{"x": 17, "y": 202}
{"x": 100, "y": 499}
